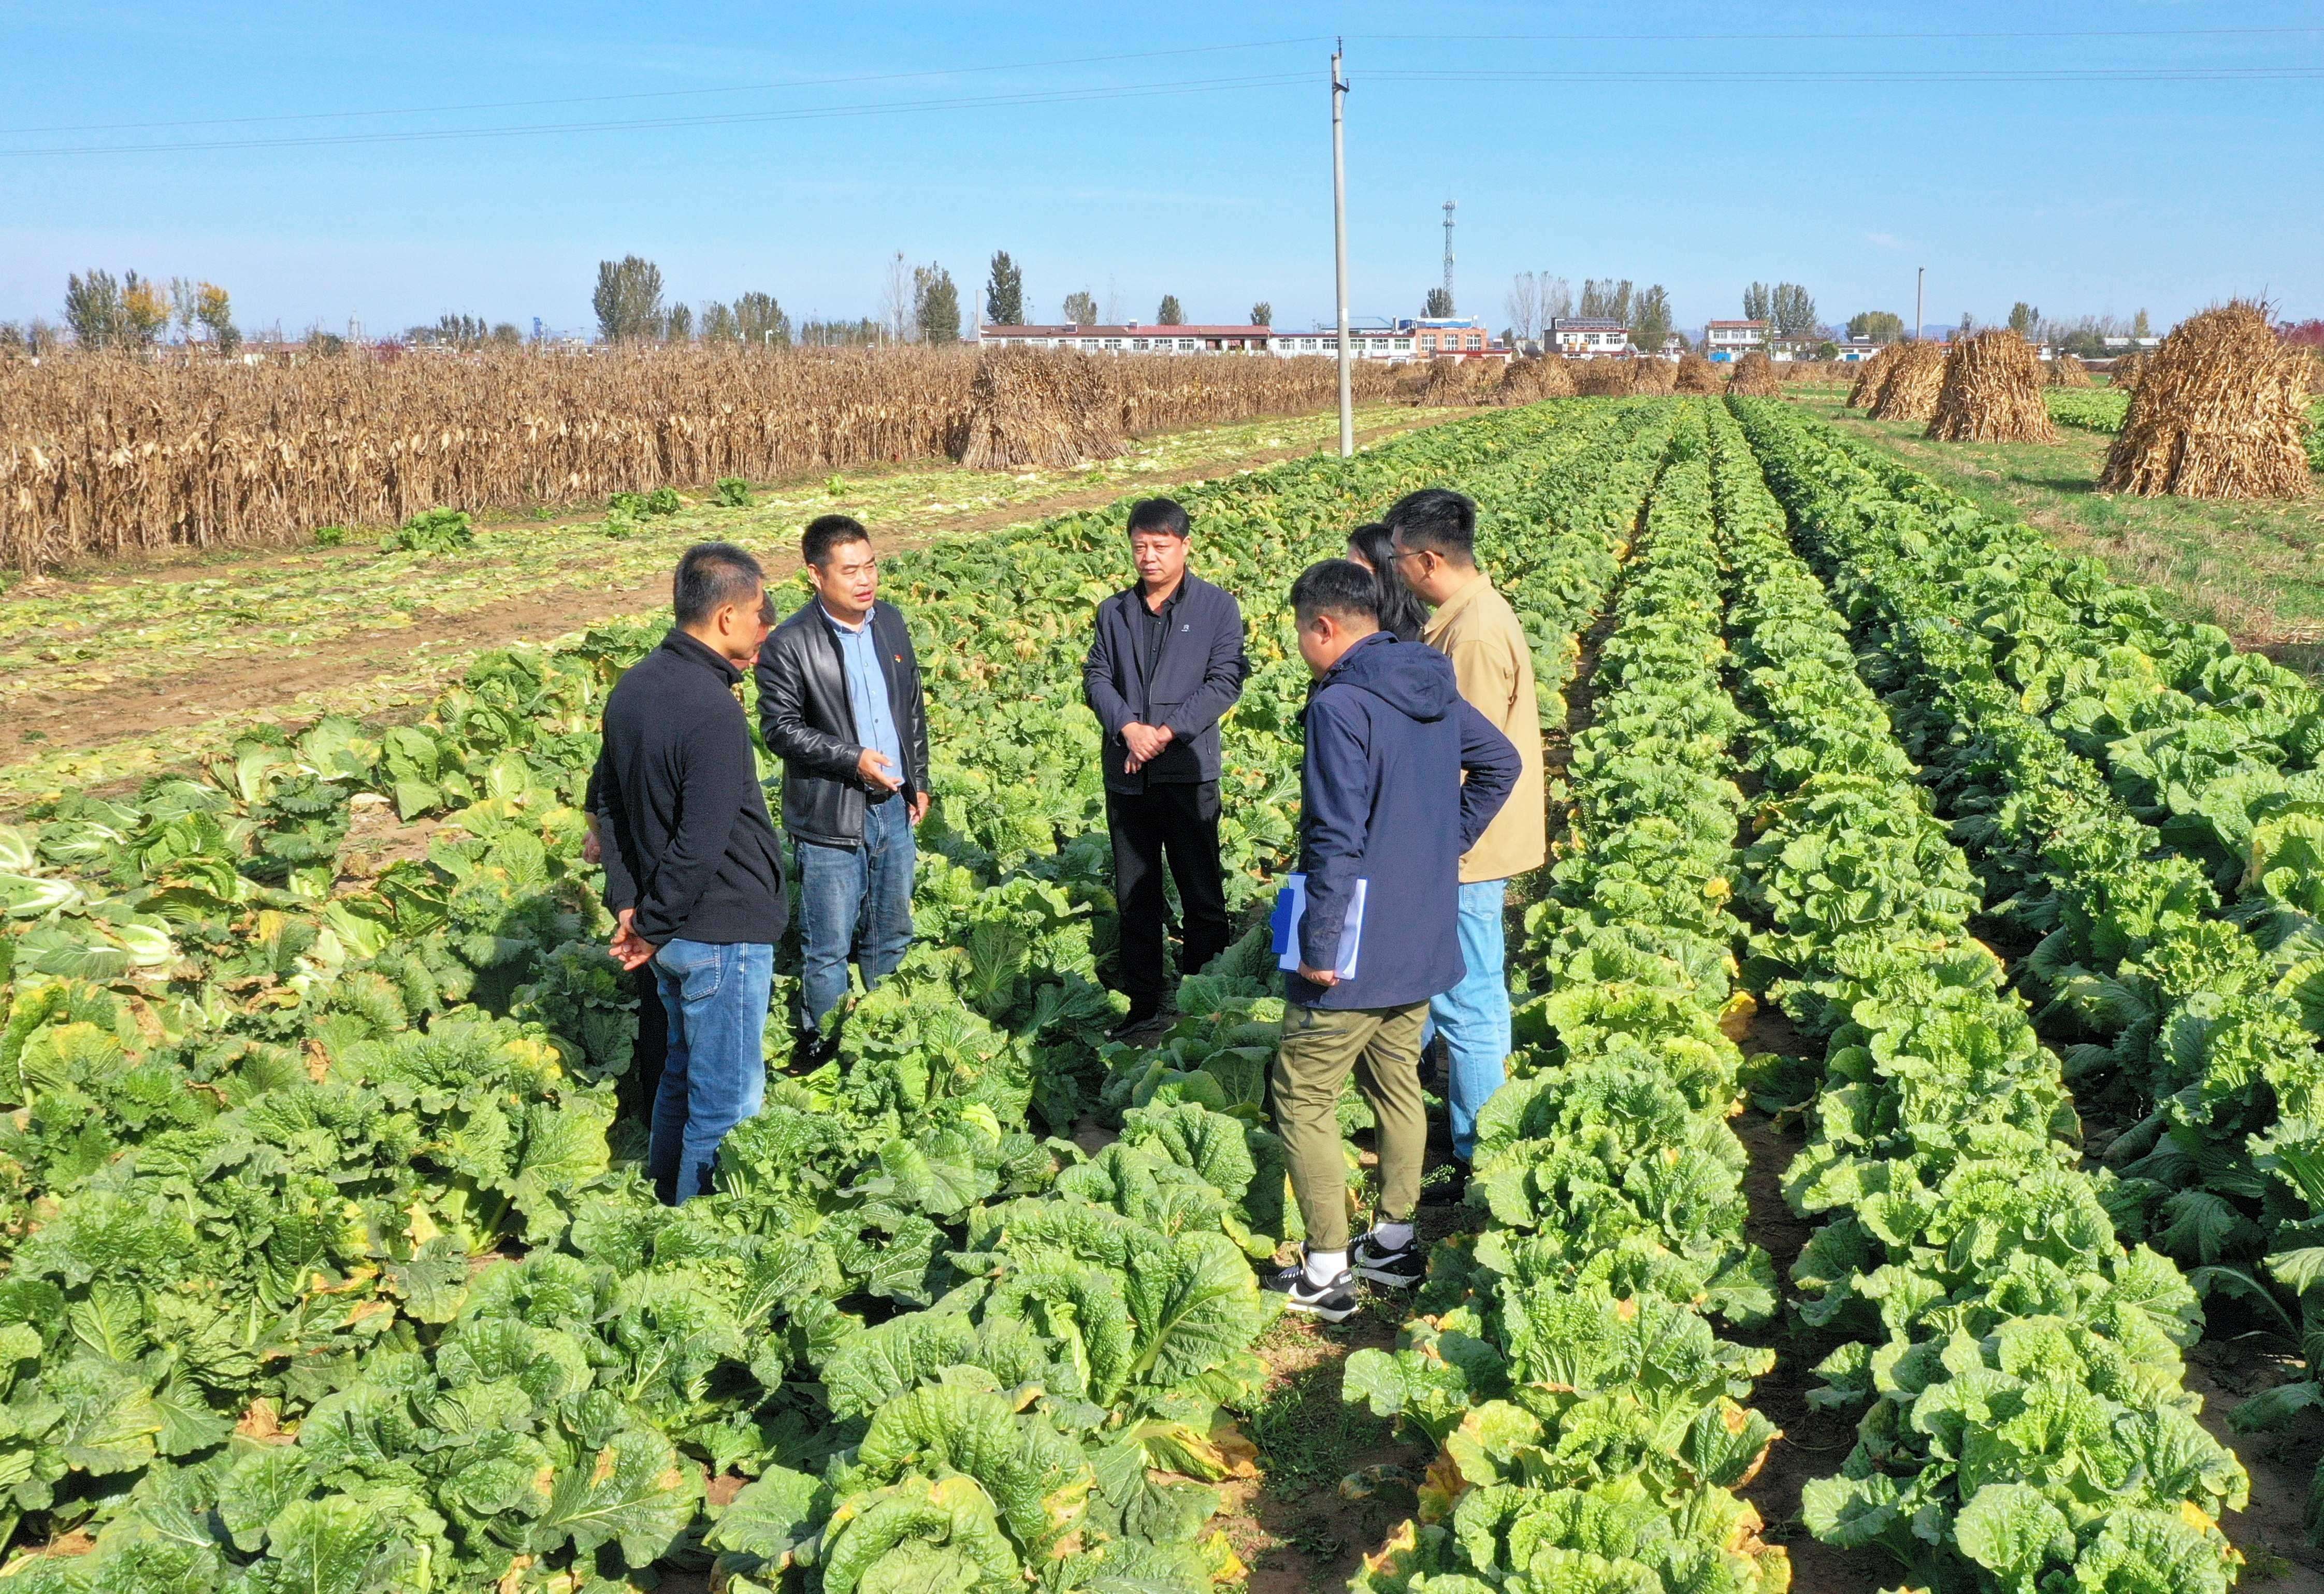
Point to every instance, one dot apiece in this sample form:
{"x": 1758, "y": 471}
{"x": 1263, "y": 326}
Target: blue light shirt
{"x": 867, "y": 689}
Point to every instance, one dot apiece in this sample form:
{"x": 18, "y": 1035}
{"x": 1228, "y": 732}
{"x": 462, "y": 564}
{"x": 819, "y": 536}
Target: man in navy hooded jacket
{"x": 1383, "y": 802}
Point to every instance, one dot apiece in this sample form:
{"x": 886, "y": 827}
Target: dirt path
{"x": 126, "y": 730}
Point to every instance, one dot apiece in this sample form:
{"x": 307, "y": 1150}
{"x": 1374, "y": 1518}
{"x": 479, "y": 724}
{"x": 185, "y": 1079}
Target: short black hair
{"x": 1336, "y": 586}
{"x": 710, "y": 575}
{"x": 1159, "y": 514}
{"x": 1439, "y": 520}
{"x": 826, "y": 533}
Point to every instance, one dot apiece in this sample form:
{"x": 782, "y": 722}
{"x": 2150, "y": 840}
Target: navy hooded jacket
{"x": 1382, "y": 800}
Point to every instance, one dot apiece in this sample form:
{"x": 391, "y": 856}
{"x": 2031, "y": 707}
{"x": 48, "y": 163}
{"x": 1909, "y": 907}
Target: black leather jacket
{"x": 807, "y": 721}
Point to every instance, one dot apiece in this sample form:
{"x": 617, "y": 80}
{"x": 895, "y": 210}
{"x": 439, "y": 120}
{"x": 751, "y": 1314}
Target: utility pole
{"x": 1449, "y": 299}
{"x": 1920, "y": 280}
{"x": 1339, "y": 250}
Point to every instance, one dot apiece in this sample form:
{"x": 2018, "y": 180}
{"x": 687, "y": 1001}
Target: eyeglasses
{"x": 1407, "y": 553}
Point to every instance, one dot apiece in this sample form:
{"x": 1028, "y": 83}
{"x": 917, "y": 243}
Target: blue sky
{"x": 2100, "y": 192}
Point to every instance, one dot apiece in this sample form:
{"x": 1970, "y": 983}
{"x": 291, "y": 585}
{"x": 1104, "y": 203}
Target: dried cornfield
{"x": 1527, "y": 380}
{"x": 2220, "y": 412}
{"x": 1753, "y": 377}
{"x": 2124, "y": 372}
{"x": 1908, "y": 388}
{"x": 1992, "y": 392}
{"x": 1696, "y": 374}
{"x": 2066, "y": 370}
{"x": 1869, "y": 377}
{"x": 101, "y": 456}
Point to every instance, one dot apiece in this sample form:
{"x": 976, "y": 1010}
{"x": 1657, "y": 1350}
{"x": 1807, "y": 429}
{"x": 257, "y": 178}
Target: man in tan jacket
{"x": 1435, "y": 532}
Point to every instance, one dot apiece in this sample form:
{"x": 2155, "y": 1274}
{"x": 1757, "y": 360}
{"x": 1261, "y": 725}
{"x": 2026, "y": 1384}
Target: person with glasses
{"x": 840, "y": 702}
{"x": 1402, "y": 614}
{"x": 694, "y": 874}
{"x": 1434, "y": 532}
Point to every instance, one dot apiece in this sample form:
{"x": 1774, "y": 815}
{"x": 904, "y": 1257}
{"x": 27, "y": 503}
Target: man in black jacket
{"x": 693, "y": 872}
{"x": 1166, "y": 665}
{"x": 840, "y": 704}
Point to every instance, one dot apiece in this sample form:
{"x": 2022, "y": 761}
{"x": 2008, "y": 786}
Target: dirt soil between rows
{"x": 72, "y": 720}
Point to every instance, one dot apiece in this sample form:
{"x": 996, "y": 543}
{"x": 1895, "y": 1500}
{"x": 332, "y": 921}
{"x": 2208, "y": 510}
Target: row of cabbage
{"x": 2025, "y": 1423}
{"x": 328, "y": 1263}
{"x": 2115, "y": 773}
{"x": 1592, "y": 1419}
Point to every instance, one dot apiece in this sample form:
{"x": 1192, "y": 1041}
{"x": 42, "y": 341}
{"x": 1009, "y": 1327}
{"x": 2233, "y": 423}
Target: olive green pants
{"x": 1320, "y": 1045}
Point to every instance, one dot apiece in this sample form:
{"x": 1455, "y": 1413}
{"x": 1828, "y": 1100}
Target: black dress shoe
{"x": 1140, "y": 1017}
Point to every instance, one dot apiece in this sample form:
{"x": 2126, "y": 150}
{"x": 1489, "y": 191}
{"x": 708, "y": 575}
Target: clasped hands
{"x": 1145, "y": 742}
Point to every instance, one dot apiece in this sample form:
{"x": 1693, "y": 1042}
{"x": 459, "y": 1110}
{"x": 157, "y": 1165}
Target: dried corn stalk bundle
{"x": 1527, "y": 380}
{"x": 2220, "y": 411}
{"x": 1992, "y": 392}
{"x": 102, "y": 455}
{"x": 1456, "y": 381}
{"x": 1031, "y": 407}
{"x": 2066, "y": 370}
{"x": 1908, "y": 387}
{"x": 1755, "y": 377}
{"x": 1601, "y": 379}
{"x": 2126, "y": 371}
{"x": 1696, "y": 374}
{"x": 1869, "y": 376}
{"x": 1651, "y": 378}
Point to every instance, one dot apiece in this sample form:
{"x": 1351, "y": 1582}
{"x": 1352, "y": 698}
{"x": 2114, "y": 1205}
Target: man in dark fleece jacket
{"x": 1383, "y": 806}
{"x": 693, "y": 872}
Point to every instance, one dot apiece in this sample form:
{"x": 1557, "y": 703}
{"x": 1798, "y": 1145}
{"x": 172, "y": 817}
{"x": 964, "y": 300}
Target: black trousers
{"x": 1181, "y": 822}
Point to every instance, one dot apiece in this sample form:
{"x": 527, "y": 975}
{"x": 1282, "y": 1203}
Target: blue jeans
{"x": 855, "y": 902}
{"x": 716, "y": 1074}
{"x": 1473, "y": 1017}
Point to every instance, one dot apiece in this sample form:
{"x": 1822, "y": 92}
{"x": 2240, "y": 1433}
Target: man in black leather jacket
{"x": 840, "y": 704}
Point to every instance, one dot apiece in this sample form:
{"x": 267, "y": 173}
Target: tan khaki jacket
{"x": 1480, "y": 631}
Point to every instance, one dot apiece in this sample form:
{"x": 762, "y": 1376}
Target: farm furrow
{"x": 2025, "y": 1416}
{"x": 328, "y": 1262}
{"x": 2134, "y": 959}
{"x": 1591, "y": 1422}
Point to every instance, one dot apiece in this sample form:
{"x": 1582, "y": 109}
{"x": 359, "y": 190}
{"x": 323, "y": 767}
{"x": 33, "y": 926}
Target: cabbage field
{"x": 329, "y": 1266}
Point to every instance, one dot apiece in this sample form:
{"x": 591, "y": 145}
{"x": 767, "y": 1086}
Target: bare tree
{"x": 1557, "y": 298}
{"x": 1524, "y": 305}
{"x": 896, "y": 299}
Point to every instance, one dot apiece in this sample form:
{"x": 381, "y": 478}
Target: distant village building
{"x": 1385, "y": 340}
{"x": 1731, "y": 340}
{"x": 1674, "y": 346}
{"x": 1132, "y": 337}
{"x": 1854, "y": 351}
{"x": 1588, "y": 337}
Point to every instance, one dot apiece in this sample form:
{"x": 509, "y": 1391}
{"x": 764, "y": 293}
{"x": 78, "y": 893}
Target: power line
{"x": 1139, "y": 55}
{"x": 1859, "y": 74}
{"x": 586, "y": 99}
{"x": 733, "y": 118}
{"x": 1829, "y": 38}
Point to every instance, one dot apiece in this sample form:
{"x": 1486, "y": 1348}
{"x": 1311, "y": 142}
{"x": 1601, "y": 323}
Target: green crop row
{"x": 1591, "y": 1421}
{"x": 2110, "y": 769}
{"x": 329, "y": 1264}
{"x": 2025, "y": 1422}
